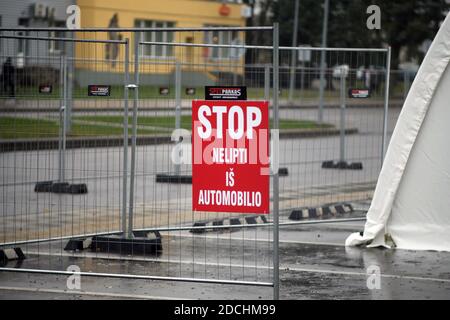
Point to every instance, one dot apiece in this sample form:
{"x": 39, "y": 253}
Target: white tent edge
{"x": 402, "y": 141}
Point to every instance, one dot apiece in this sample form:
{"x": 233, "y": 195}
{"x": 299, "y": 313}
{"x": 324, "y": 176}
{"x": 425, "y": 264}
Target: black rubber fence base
{"x": 78, "y": 244}
{"x": 141, "y": 245}
{"x": 7, "y": 255}
{"x": 173, "y": 178}
{"x": 60, "y": 187}
{"x": 343, "y": 165}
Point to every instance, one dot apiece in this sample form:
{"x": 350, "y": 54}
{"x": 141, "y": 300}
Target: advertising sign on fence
{"x": 99, "y": 90}
{"x": 359, "y": 93}
{"x": 230, "y": 156}
{"x": 226, "y": 93}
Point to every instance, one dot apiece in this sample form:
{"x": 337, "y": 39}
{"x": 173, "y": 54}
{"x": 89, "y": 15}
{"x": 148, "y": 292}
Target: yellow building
{"x": 158, "y": 62}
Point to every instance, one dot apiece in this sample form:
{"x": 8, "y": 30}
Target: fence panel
{"x": 203, "y": 242}
{"x": 334, "y": 155}
{"x": 56, "y": 181}
{"x": 86, "y": 148}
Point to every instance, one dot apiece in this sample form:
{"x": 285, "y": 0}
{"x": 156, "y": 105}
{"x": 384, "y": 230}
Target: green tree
{"x": 404, "y": 23}
{"x": 263, "y": 18}
{"x": 408, "y": 23}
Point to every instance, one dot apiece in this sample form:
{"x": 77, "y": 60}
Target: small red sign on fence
{"x": 230, "y": 156}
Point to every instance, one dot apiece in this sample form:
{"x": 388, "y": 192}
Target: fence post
{"x": 267, "y": 82}
{"x": 69, "y": 83}
{"x": 177, "y": 106}
{"x": 322, "y": 60}
{"x": 294, "y": 54}
{"x": 135, "y": 88}
{"x": 125, "y": 142}
{"x": 276, "y": 273}
{"x": 342, "y": 120}
{"x": 61, "y": 144}
{"x": 62, "y": 121}
{"x": 61, "y": 104}
{"x": 386, "y": 104}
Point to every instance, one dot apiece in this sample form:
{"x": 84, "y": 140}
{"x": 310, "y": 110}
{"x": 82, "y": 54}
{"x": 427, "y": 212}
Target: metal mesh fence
{"x": 81, "y": 175}
{"x": 86, "y": 140}
{"x": 339, "y": 160}
{"x": 162, "y": 198}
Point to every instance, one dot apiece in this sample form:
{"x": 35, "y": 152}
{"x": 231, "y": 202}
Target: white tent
{"x": 411, "y": 203}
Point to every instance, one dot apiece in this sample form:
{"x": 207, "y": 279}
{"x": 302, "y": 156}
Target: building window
{"x": 56, "y": 46}
{"x": 221, "y": 37}
{"x": 155, "y": 51}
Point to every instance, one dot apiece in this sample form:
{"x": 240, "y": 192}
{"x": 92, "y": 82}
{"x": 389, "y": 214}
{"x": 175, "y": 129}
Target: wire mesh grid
{"x": 68, "y": 143}
{"x": 334, "y": 149}
{"x": 233, "y": 254}
{"x": 156, "y": 83}
{"x": 51, "y": 156}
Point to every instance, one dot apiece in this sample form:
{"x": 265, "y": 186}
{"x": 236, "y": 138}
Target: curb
{"x": 233, "y": 221}
{"x": 327, "y": 211}
{"x": 184, "y": 108}
{"x": 75, "y": 143}
{"x": 314, "y": 133}
{"x": 378, "y": 105}
{"x": 117, "y": 141}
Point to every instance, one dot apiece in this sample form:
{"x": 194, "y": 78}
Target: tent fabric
{"x": 411, "y": 202}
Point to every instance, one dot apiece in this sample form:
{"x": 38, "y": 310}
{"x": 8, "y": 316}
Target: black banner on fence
{"x": 99, "y": 90}
{"x": 225, "y": 93}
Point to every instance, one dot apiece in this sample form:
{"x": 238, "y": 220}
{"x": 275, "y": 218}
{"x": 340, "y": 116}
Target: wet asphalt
{"x": 314, "y": 264}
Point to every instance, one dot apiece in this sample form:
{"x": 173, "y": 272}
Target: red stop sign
{"x": 230, "y": 156}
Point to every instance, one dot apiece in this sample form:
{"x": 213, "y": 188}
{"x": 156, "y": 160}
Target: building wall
{"x": 186, "y": 13}
{"x": 182, "y": 13}
{"x": 12, "y": 10}
{"x": 91, "y": 59}
{"x": 17, "y": 14}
